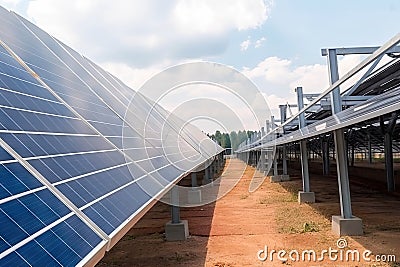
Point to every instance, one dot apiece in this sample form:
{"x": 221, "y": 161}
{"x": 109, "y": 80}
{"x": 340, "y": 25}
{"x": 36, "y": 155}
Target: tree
{"x": 218, "y": 137}
{"x": 234, "y": 140}
{"x": 226, "y": 140}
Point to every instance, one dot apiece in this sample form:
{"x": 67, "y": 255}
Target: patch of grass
{"x": 292, "y": 220}
{"x": 310, "y": 227}
{"x": 278, "y": 198}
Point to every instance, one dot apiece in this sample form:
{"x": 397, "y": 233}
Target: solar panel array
{"x": 74, "y": 172}
{"x": 372, "y": 108}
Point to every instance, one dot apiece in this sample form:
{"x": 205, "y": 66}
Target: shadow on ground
{"x": 141, "y": 246}
{"x": 378, "y": 209}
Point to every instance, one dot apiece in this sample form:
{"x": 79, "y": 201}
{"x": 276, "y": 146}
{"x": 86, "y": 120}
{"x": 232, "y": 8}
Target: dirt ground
{"x": 233, "y": 230}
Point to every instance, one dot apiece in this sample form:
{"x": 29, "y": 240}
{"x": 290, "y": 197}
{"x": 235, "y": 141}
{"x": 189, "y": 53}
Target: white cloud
{"x": 277, "y": 78}
{"x": 133, "y": 77}
{"x": 245, "y": 45}
{"x": 274, "y": 101}
{"x": 210, "y": 16}
{"x": 141, "y": 34}
{"x": 12, "y": 4}
{"x": 273, "y": 70}
{"x": 259, "y": 42}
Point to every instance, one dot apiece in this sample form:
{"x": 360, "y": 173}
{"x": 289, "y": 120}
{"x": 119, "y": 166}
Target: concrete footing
{"x": 177, "y": 231}
{"x": 279, "y": 178}
{"x": 350, "y": 227}
{"x": 194, "y": 196}
{"x": 306, "y": 197}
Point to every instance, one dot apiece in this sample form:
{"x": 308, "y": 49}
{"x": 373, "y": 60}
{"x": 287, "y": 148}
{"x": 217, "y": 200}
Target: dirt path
{"x": 231, "y": 231}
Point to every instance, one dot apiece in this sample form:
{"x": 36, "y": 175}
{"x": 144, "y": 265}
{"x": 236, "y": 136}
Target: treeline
{"x": 231, "y": 140}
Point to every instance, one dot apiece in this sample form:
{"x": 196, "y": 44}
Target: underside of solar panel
{"x": 75, "y": 174}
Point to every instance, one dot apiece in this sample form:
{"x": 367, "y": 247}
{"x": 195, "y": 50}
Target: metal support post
{"x": 388, "y": 139}
{"x": 193, "y": 177}
{"x": 176, "y": 229}
{"x": 275, "y": 157}
{"x": 212, "y": 171}
{"x": 284, "y": 160}
{"x": 325, "y": 157}
{"x": 389, "y": 162}
{"x": 370, "y": 156}
{"x": 261, "y": 164}
{"x": 219, "y": 162}
{"x": 283, "y": 110}
{"x": 344, "y": 187}
{"x": 340, "y": 143}
{"x": 206, "y": 178}
{"x": 175, "y": 211}
{"x": 345, "y": 224}
{"x": 267, "y": 153}
{"x": 304, "y": 166}
{"x": 194, "y": 195}
{"x": 303, "y": 145}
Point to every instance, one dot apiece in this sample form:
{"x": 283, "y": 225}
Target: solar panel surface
{"x": 75, "y": 173}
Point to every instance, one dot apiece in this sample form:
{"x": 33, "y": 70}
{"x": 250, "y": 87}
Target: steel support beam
{"x": 193, "y": 177}
{"x": 303, "y": 143}
{"x": 343, "y": 178}
{"x": 370, "y": 156}
{"x": 357, "y": 50}
{"x": 283, "y": 111}
{"x": 275, "y": 157}
{"x": 284, "y": 161}
{"x": 325, "y": 157}
{"x": 175, "y": 211}
{"x": 340, "y": 145}
{"x": 304, "y": 166}
{"x": 261, "y": 164}
{"x": 206, "y": 178}
{"x": 389, "y": 162}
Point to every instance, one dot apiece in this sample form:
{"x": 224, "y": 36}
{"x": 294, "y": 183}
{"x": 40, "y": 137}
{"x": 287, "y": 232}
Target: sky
{"x": 276, "y": 43}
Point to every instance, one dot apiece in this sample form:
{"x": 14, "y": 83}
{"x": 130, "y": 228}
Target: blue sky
{"x": 298, "y": 29}
{"x": 276, "y": 43}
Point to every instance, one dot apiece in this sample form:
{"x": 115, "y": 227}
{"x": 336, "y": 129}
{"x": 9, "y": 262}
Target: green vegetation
{"x": 310, "y": 227}
{"x": 232, "y": 140}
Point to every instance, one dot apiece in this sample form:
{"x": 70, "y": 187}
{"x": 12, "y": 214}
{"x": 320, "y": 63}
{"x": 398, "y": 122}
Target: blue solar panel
{"x": 37, "y": 227}
{"x": 15, "y": 179}
{"x": 73, "y": 170}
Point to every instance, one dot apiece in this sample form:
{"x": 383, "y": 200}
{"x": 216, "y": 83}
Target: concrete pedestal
{"x": 194, "y": 196}
{"x": 177, "y": 231}
{"x": 279, "y": 178}
{"x": 350, "y": 227}
{"x": 306, "y": 197}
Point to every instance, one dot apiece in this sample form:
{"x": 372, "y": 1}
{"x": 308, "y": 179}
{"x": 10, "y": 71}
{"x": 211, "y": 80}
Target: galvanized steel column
{"x": 340, "y": 144}
{"x": 303, "y": 143}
